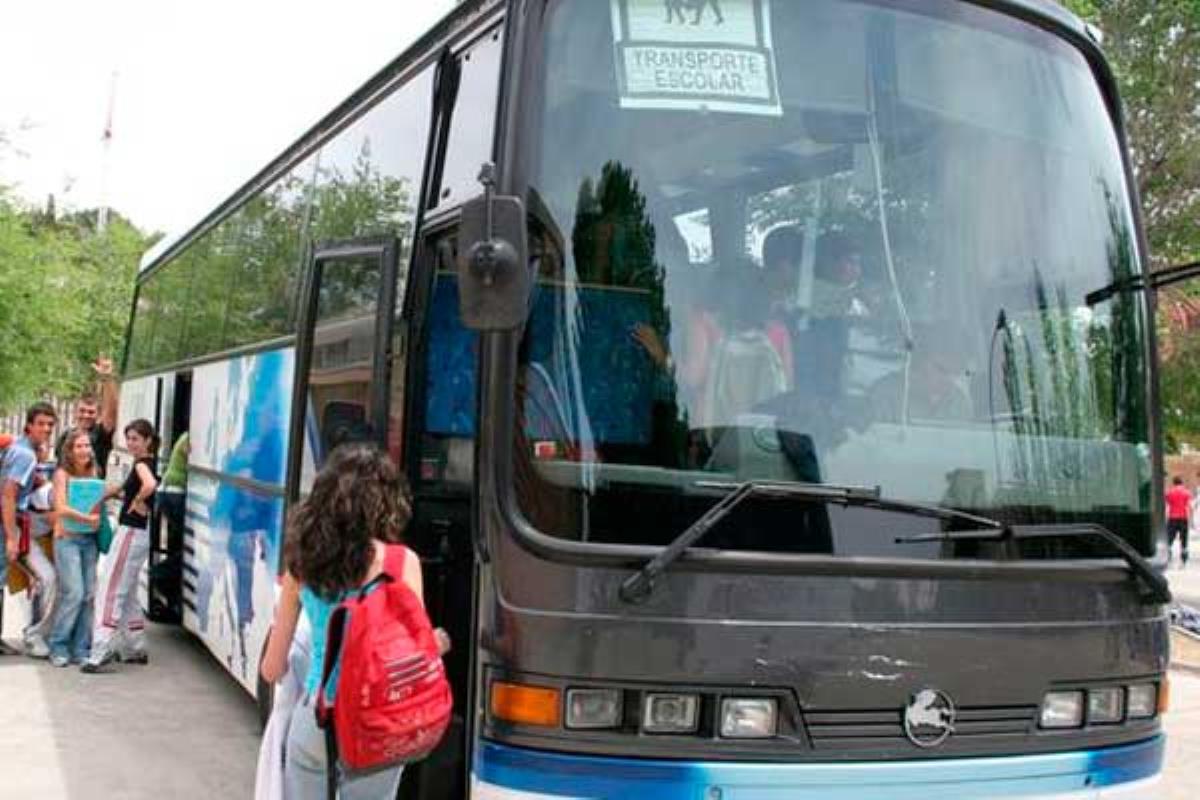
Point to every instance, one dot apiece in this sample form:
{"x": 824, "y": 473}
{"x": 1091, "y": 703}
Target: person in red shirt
{"x": 1179, "y": 504}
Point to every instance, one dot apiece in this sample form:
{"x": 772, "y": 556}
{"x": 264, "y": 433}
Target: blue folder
{"x": 82, "y": 495}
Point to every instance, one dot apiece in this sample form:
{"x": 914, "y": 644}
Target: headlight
{"x": 1062, "y": 710}
{"x": 748, "y": 718}
{"x": 1106, "y": 706}
{"x": 593, "y": 708}
{"x": 1143, "y": 701}
{"x": 670, "y": 713}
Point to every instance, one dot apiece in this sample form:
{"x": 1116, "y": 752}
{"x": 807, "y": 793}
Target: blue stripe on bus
{"x": 633, "y": 779}
{"x": 1116, "y": 765}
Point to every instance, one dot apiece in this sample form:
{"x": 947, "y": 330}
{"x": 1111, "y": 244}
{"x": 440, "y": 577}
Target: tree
{"x": 1154, "y": 46}
{"x": 65, "y": 293}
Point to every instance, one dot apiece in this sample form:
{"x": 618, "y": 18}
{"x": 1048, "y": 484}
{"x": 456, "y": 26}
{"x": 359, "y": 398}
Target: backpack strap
{"x": 394, "y": 559}
{"x": 334, "y": 635}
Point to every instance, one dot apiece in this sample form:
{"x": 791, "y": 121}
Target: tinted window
{"x": 207, "y": 261}
{"x": 871, "y": 272}
{"x": 236, "y": 284}
{"x": 450, "y": 368}
{"x": 267, "y": 237}
{"x": 172, "y": 301}
{"x": 343, "y": 356}
{"x": 473, "y": 123}
{"x": 369, "y": 177}
{"x": 141, "y": 340}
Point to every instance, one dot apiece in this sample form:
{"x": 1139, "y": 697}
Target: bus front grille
{"x": 868, "y": 729}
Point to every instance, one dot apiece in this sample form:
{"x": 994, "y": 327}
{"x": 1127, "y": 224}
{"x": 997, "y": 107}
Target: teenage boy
{"x": 17, "y": 481}
{"x": 97, "y": 415}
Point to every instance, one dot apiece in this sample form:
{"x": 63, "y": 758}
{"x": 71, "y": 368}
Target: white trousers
{"x": 42, "y": 595}
{"x": 119, "y": 625}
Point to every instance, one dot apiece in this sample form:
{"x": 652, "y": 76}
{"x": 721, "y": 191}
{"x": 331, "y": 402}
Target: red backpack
{"x": 392, "y": 701}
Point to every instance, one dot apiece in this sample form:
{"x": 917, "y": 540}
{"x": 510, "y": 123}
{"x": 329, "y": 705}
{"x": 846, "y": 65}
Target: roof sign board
{"x": 696, "y": 55}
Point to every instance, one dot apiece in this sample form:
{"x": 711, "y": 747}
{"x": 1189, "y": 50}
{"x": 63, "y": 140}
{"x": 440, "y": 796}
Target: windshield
{"x": 830, "y": 242}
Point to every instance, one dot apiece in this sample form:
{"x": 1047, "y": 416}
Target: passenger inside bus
{"x": 748, "y": 365}
{"x": 823, "y": 346}
{"x": 930, "y": 389}
{"x": 694, "y": 329}
{"x": 782, "y": 260}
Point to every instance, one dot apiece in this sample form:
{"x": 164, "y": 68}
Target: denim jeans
{"x": 75, "y": 556}
{"x": 304, "y": 765}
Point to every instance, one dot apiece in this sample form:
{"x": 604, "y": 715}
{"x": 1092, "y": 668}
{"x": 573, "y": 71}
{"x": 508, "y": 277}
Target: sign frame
{"x": 760, "y": 54}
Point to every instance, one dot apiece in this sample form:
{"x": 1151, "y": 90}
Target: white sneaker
{"x": 60, "y": 661}
{"x": 97, "y": 662}
{"x": 36, "y": 647}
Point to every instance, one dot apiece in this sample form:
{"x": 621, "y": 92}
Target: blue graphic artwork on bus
{"x": 243, "y": 420}
{"x": 618, "y": 411}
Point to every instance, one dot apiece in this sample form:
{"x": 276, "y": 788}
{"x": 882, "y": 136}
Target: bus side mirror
{"x": 493, "y": 273}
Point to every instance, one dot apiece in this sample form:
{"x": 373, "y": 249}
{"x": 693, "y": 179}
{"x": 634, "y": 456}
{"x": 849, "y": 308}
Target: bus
{"x": 774, "y": 380}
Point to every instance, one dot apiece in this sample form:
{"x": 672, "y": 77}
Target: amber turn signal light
{"x": 525, "y": 705}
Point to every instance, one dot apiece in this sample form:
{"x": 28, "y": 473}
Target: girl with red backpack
{"x": 342, "y": 545}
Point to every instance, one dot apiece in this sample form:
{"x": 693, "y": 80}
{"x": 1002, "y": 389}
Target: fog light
{"x": 671, "y": 713}
{"x": 593, "y": 708}
{"x": 1143, "y": 701}
{"x": 1105, "y": 706}
{"x": 1062, "y": 710}
{"x": 748, "y": 718}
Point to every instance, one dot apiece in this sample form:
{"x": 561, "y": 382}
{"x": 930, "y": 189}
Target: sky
{"x": 206, "y": 93}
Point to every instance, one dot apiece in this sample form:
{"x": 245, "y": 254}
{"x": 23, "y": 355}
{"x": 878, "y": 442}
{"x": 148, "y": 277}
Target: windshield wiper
{"x": 1155, "y": 582}
{"x": 1138, "y": 283}
{"x": 637, "y": 587}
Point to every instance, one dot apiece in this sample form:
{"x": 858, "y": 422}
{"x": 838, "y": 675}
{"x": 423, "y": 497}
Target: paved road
{"x": 1182, "y": 779}
{"x": 180, "y": 729}
{"x": 177, "y": 728}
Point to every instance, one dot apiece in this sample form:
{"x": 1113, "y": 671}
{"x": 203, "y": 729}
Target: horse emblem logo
{"x": 929, "y": 718}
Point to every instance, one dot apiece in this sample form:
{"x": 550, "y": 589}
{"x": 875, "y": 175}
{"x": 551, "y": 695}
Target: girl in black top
{"x": 137, "y": 493}
{"x": 117, "y": 608}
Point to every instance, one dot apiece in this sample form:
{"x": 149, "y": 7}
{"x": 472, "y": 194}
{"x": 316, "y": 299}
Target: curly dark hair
{"x": 357, "y": 497}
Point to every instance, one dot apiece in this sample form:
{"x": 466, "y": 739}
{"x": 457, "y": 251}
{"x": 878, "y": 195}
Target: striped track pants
{"x": 118, "y": 614}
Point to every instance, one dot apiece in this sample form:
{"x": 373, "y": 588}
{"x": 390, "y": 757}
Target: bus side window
{"x": 450, "y": 361}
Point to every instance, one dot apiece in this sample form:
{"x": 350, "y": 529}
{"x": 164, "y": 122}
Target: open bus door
{"x": 340, "y": 393}
{"x": 342, "y": 364}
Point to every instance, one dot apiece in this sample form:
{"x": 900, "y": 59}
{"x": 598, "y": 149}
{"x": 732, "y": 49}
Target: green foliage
{"x": 237, "y": 283}
{"x": 1154, "y": 47}
{"x": 613, "y": 240}
{"x": 65, "y": 294}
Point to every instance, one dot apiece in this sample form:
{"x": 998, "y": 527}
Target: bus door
{"x": 167, "y": 530}
{"x": 439, "y": 459}
{"x": 342, "y": 358}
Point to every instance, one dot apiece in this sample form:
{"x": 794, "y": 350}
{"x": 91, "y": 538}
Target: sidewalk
{"x": 177, "y": 728}
{"x": 1185, "y": 583}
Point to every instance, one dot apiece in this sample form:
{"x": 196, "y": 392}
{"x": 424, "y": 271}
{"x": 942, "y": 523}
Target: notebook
{"x": 82, "y": 495}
